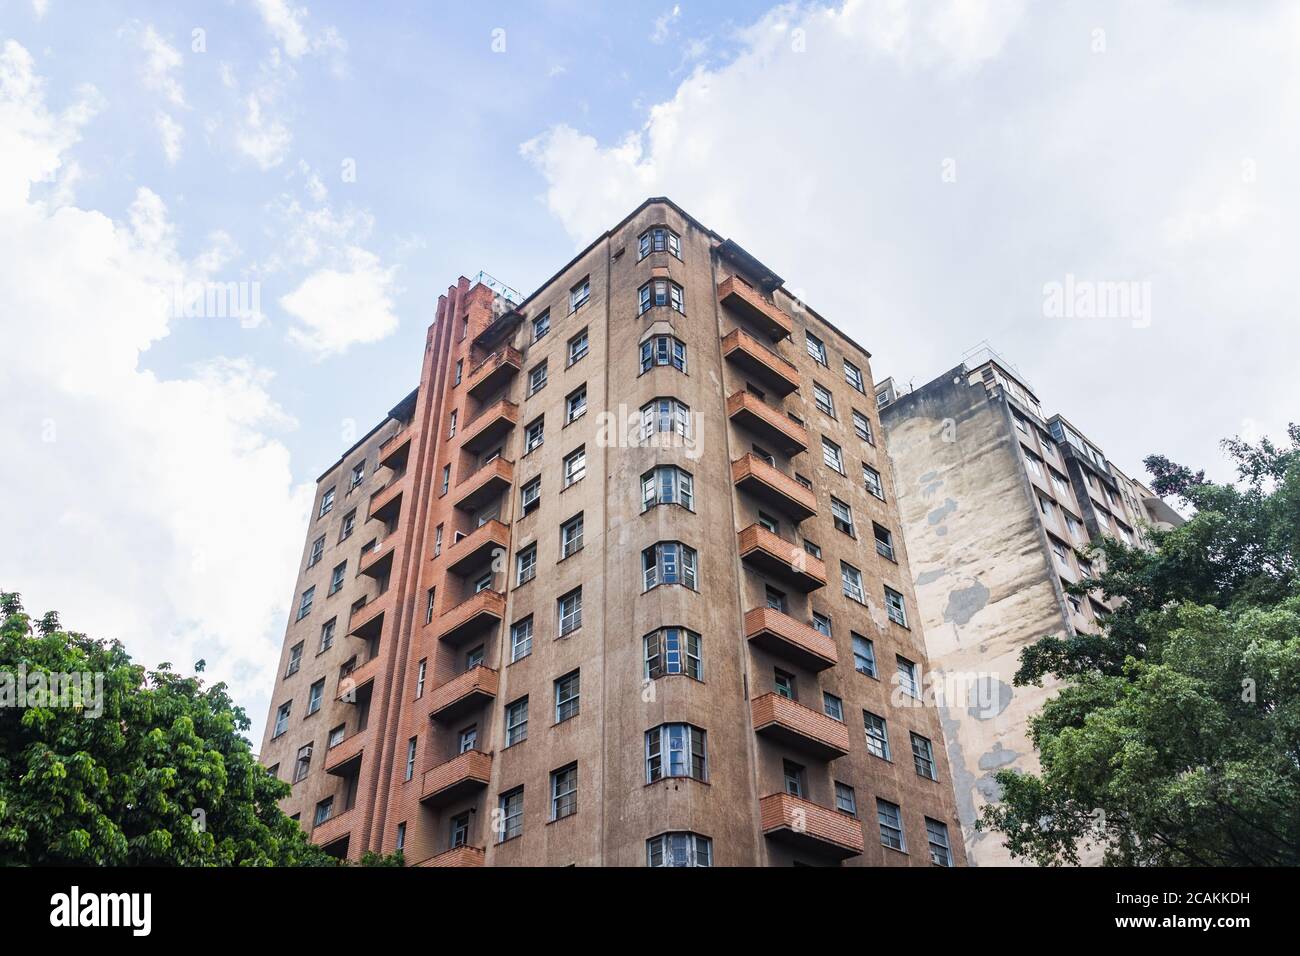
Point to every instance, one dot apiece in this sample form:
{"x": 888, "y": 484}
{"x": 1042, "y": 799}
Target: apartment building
{"x": 995, "y": 497}
{"x": 624, "y": 585}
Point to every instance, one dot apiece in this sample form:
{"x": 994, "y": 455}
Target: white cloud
{"x": 160, "y": 62}
{"x": 40, "y": 8}
{"x": 263, "y": 139}
{"x": 822, "y": 146}
{"x": 339, "y": 308}
{"x": 171, "y": 133}
{"x": 288, "y": 24}
{"x": 663, "y": 24}
{"x": 159, "y": 511}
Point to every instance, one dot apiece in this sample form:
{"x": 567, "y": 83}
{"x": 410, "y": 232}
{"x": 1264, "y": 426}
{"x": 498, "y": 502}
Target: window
{"x": 1034, "y": 463}
{"x": 511, "y": 805}
{"x": 666, "y": 485}
{"x": 446, "y": 478}
{"x": 1073, "y": 526}
{"x": 891, "y": 824}
{"x": 813, "y": 549}
{"x": 1021, "y": 424}
{"x": 794, "y": 778}
{"x": 317, "y": 551}
{"x": 358, "y": 474}
{"x": 468, "y": 739}
{"x": 338, "y": 735}
{"x": 663, "y": 350}
{"x": 579, "y": 294}
{"x": 1062, "y": 555}
{"x": 517, "y": 722}
{"x": 315, "y": 696}
{"x": 326, "y": 502}
{"x": 459, "y": 833}
{"x": 564, "y": 792}
{"x": 832, "y": 455}
{"x": 665, "y": 415}
{"x": 533, "y": 435}
{"x": 571, "y": 536}
{"x": 832, "y": 706}
{"x": 521, "y": 639}
{"x": 537, "y": 379}
{"x": 659, "y": 239}
{"x": 884, "y": 541}
{"x": 541, "y": 325}
{"x": 675, "y": 750}
{"x": 842, "y": 516}
{"x": 877, "y": 735}
{"x": 282, "y": 719}
{"x": 566, "y": 697}
{"x": 846, "y": 801}
{"x": 578, "y": 347}
{"x": 864, "y": 655}
{"x": 460, "y": 370}
{"x": 419, "y": 678}
{"x": 862, "y": 427}
{"x": 669, "y": 562}
{"x": 679, "y": 849}
{"x": 302, "y": 765}
{"x": 410, "y": 757}
{"x": 937, "y": 835}
{"x": 295, "y": 660}
{"x": 337, "y": 577}
{"x": 401, "y": 836}
{"x": 1061, "y": 485}
{"x": 871, "y": 478}
{"x": 575, "y": 466}
{"x": 765, "y": 520}
{"x": 570, "y": 608}
{"x": 895, "y": 607}
{"x": 324, "y": 810}
{"x": 803, "y": 480}
{"x": 526, "y": 564}
{"x": 783, "y": 682}
{"x": 823, "y": 400}
{"x": 437, "y": 541}
{"x": 660, "y": 292}
{"x": 304, "y": 606}
{"x": 327, "y": 635}
{"x": 428, "y": 604}
{"x": 775, "y": 599}
{"x": 816, "y": 348}
{"x": 908, "y": 677}
{"x": 851, "y": 583}
{"x": 673, "y": 650}
{"x": 451, "y": 423}
{"x": 923, "y": 757}
{"x": 474, "y": 658}
{"x": 821, "y": 623}
{"x": 531, "y": 495}
{"x": 853, "y": 375}
{"x": 575, "y": 406}
{"x": 349, "y": 525}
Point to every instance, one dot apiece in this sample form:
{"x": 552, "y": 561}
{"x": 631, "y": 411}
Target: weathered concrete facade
{"x": 787, "y": 649}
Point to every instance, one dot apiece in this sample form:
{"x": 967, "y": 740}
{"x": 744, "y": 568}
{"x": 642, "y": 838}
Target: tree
{"x": 150, "y": 769}
{"x": 1175, "y": 739}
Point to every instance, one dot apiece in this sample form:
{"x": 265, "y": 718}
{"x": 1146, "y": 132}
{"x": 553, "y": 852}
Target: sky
{"x": 928, "y": 176}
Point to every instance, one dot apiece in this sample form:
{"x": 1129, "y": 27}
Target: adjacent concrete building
{"x": 621, "y": 582}
{"x": 995, "y": 497}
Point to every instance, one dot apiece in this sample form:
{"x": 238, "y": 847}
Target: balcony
{"x": 771, "y": 425}
{"x": 493, "y": 372}
{"x": 746, "y": 301}
{"x": 456, "y": 778}
{"x": 469, "y": 618}
{"x": 761, "y": 361}
{"x": 779, "y": 558}
{"x": 457, "y": 856}
{"x": 464, "y": 692}
{"x": 802, "y": 728}
{"x": 377, "y": 561}
{"x": 478, "y": 547}
{"x": 809, "y": 826}
{"x": 367, "y": 621}
{"x": 386, "y": 503}
{"x": 755, "y": 476}
{"x": 336, "y": 828}
{"x": 482, "y": 486}
{"x": 490, "y": 425}
{"x": 396, "y": 449}
{"x": 352, "y": 684}
{"x": 344, "y": 758}
{"x": 799, "y": 643}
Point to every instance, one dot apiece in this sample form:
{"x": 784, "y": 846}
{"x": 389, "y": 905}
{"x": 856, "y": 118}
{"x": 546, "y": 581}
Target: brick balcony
{"x": 475, "y": 687}
{"x": 470, "y": 617}
{"x": 367, "y": 621}
{"x": 787, "y": 722}
{"x": 779, "y": 558}
{"x": 478, "y": 547}
{"x": 351, "y": 685}
{"x": 378, "y": 561}
{"x": 761, "y": 361}
{"x": 457, "y": 856}
{"x": 386, "y": 503}
{"x": 793, "y": 640}
{"x": 746, "y": 301}
{"x": 395, "y": 450}
{"x": 771, "y": 425}
{"x": 490, "y": 425}
{"x": 485, "y": 484}
{"x": 493, "y": 372}
{"x": 344, "y": 758}
{"x": 457, "y": 777}
{"x": 755, "y": 476}
{"x": 337, "y": 827}
{"x": 810, "y": 826}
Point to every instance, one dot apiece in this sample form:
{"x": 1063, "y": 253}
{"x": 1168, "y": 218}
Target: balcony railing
{"x": 344, "y": 758}
{"x": 457, "y": 856}
{"x": 771, "y": 425}
{"x": 761, "y": 361}
{"x": 395, "y": 450}
{"x": 470, "y": 617}
{"x": 802, "y": 728}
{"x": 493, "y": 372}
{"x": 386, "y": 503}
{"x": 491, "y": 424}
{"x": 779, "y": 558}
{"x": 478, "y": 547}
{"x": 810, "y": 826}
{"x": 746, "y": 301}
{"x": 799, "y": 643}
{"x": 377, "y": 561}
{"x": 336, "y": 828}
{"x": 755, "y": 476}
{"x": 352, "y": 684}
{"x": 457, "y": 777}
{"x": 367, "y": 621}
{"x": 483, "y": 485}
{"x": 464, "y": 692}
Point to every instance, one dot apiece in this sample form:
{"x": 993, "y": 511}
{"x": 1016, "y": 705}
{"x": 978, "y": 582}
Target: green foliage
{"x": 161, "y": 777}
{"x": 1175, "y": 739}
